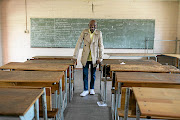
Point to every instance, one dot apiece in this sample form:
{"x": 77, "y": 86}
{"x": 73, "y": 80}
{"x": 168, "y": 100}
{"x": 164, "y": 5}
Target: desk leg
{"x": 137, "y": 112}
{"x": 156, "y": 58}
{"x": 36, "y": 110}
{"x": 60, "y": 100}
{"x": 101, "y": 75}
{"x": 55, "y": 98}
{"x": 102, "y": 92}
{"x": 113, "y": 88}
{"x": 112, "y": 97}
{"x": 113, "y": 79}
{"x": 73, "y": 77}
{"x": 65, "y": 89}
{"x": 56, "y": 102}
{"x": 126, "y": 109}
{"x": 117, "y": 100}
{"x": 21, "y": 118}
{"x": 70, "y": 88}
{"x": 105, "y": 85}
{"x": 44, "y": 104}
{"x": 72, "y": 84}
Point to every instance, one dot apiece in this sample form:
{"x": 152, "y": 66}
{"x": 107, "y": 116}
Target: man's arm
{"x": 78, "y": 45}
{"x": 101, "y": 47}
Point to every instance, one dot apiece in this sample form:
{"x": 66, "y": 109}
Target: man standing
{"x": 92, "y": 54}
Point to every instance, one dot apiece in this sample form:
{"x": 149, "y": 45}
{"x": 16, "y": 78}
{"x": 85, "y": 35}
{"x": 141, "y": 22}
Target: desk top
{"x": 129, "y": 62}
{"x": 144, "y": 77}
{"x": 132, "y": 54}
{"x": 65, "y": 62}
{"x": 173, "y": 55}
{"x": 35, "y": 66}
{"x": 30, "y": 76}
{"x": 144, "y": 68}
{"x": 54, "y": 57}
{"x": 16, "y": 102}
{"x": 159, "y": 102}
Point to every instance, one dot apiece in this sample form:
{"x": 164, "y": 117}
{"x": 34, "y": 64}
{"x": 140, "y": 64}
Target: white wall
{"x": 16, "y": 44}
{"x": 0, "y": 37}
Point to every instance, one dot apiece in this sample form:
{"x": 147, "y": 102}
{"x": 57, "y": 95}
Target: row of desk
{"x": 48, "y": 72}
{"x": 145, "y": 55}
{"x": 133, "y": 55}
{"x": 176, "y": 56}
{"x": 51, "y": 74}
{"x": 127, "y": 74}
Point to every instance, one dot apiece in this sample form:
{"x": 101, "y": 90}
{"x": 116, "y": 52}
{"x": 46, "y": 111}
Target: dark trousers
{"x": 85, "y": 75}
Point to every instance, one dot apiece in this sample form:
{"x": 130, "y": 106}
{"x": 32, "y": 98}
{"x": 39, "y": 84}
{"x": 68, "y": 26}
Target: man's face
{"x": 92, "y": 26}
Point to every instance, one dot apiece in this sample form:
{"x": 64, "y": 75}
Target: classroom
{"x": 137, "y": 61}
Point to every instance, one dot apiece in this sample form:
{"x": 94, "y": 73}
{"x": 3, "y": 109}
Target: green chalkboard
{"x": 117, "y": 33}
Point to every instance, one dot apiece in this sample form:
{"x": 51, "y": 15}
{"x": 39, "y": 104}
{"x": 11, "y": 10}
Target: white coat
{"x": 96, "y": 47}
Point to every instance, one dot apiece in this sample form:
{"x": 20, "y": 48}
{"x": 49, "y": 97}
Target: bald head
{"x": 92, "y": 25}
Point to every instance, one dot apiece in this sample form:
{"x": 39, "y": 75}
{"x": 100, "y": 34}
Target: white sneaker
{"x": 92, "y": 92}
{"x": 84, "y": 93}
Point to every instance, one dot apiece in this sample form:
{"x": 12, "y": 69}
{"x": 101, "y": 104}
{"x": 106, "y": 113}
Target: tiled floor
{"x": 86, "y": 108}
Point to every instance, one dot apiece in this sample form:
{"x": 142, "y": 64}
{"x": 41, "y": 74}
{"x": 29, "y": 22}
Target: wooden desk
{"x": 40, "y": 67}
{"x": 65, "y": 62}
{"x": 64, "y": 59}
{"x": 142, "y": 68}
{"x": 148, "y": 55}
{"x": 157, "y": 102}
{"x": 140, "y": 79}
{"x": 177, "y": 56}
{"x": 23, "y": 106}
{"x": 71, "y": 64}
{"x": 107, "y": 63}
{"x": 35, "y": 78}
{"x": 55, "y": 57}
{"x": 129, "y": 62}
{"x": 35, "y": 66}
{"x": 67, "y": 59}
{"x": 173, "y": 55}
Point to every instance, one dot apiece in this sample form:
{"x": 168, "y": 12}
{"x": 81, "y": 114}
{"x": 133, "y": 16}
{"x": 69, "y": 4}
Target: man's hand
{"x": 98, "y": 61}
{"x": 74, "y": 57}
